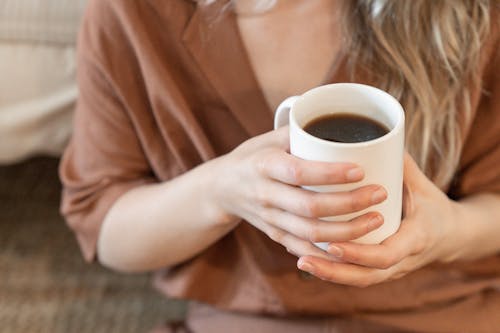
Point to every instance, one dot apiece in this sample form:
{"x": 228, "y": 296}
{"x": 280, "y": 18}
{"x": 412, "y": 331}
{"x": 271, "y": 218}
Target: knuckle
{"x": 387, "y": 261}
{"x": 311, "y": 206}
{"x": 263, "y": 198}
{"x": 292, "y": 252}
{"x": 314, "y": 232}
{"x": 354, "y": 203}
{"x": 364, "y": 282}
{"x": 261, "y": 166}
{"x": 276, "y": 235}
{"x": 262, "y": 163}
{"x": 334, "y": 173}
{"x": 295, "y": 173}
{"x": 353, "y": 256}
{"x": 398, "y": 275}
{"x": 267, "y": 216}
{"x": 351, "y": 233}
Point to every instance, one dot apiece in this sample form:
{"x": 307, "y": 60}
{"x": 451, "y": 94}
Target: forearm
{"x": 163, "y": 224}
{"x": 478, "y": 226}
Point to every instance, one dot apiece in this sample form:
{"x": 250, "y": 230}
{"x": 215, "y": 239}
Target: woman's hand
{"x": 426, "y": 234}
{"x": 260, "y": 182}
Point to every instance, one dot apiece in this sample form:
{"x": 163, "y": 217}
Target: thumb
{"x": 413, "y": 177}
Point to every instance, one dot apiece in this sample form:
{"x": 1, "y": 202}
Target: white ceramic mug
{"x": 381, "y": 158}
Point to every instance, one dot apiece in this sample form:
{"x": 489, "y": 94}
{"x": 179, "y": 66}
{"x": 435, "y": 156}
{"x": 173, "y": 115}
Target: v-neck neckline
{"x": 215, "y": 42}
{"x": 246, "y": 55}
{"x": 335, "y": 64}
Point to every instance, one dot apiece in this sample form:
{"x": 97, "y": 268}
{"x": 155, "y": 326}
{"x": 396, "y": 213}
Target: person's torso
{"x": 191, "y": 93}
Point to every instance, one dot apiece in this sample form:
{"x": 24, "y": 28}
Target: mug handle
{"x": 281, "y": 117}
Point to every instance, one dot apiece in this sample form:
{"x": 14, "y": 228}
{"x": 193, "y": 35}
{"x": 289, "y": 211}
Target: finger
{"x": 382, "y": 256}
{"x": 315, "y": 230}
{"x": 291, "y": 170}
{"x": 293, "y": 244}
{"x": 342, "y": 273}
{"x": 313, "y": 204}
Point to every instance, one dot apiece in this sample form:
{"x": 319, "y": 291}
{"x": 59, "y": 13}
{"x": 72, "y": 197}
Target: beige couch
{"x": 37, "y": 80}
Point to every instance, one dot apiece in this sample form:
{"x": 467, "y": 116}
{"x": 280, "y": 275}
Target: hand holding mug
{"x": 262, "y": 183}
{"x": 427, "y": 234}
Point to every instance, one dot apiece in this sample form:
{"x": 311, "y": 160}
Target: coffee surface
{"x": 346, "y": 128}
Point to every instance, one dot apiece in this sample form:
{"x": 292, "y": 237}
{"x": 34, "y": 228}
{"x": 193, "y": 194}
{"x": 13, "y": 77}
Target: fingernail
{"x": 379, "y": 195}
{"x": 355, "y": 174}
{"x": 335, "y": 250}
{"x": 307, "y": 267}
{"x": 375, "y": 222}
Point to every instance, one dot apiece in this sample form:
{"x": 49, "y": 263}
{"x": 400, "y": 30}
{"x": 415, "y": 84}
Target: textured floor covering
{"x": 44, "y": 284}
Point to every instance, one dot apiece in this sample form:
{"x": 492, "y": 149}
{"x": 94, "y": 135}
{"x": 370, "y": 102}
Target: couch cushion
{"x": 48, "y": 21}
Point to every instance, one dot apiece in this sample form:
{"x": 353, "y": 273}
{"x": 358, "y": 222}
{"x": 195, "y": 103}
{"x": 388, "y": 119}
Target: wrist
{"x": 214, "y": 190}
{"x": 478, "y": 217}
{"x": 457, "y": 233}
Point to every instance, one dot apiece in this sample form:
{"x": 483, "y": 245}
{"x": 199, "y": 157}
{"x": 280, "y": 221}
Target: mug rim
{"x": 393, "y": 132}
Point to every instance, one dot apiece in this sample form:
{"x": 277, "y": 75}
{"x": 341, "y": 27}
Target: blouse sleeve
{"x": 104, "y": 158}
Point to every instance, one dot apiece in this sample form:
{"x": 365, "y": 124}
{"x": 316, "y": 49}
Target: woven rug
{"x": 45, "y": 286}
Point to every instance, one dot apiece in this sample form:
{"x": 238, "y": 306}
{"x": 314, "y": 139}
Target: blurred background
{"x": 45, "y": 286}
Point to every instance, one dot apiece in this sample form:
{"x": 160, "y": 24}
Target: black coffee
{"x": 345, "y": 127}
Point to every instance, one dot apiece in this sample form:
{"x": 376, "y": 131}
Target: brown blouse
{"x": 165, "y": 86}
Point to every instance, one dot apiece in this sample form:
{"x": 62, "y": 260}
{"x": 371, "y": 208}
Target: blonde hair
{"x": 426, "y": 53}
